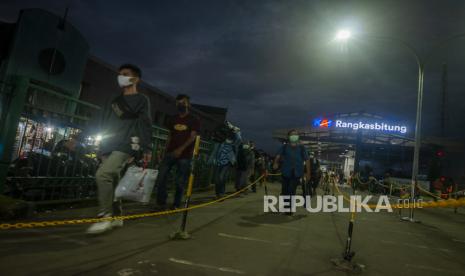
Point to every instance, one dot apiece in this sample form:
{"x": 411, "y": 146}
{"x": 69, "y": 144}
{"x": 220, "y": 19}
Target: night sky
{"x": 272, "y": 63}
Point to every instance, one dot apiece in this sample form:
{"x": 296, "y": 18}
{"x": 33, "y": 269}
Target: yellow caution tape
{"x": 420, "y": 204}
{"x": 36, "y": 224}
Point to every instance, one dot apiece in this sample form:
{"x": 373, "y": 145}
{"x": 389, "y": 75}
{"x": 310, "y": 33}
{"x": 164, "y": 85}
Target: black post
{"x": 182, "y": 234}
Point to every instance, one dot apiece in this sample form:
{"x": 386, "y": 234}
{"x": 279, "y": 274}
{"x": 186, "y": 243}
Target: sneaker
{"x": 117, "y": 223}
{"x": 99, "y": 227}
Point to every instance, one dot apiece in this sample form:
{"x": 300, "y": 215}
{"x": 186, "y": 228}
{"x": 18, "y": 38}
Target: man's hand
{"x": 147, "y": 157}
{"x": 308, "y": 176}
{"x": 177, "y": 153}
{"x": 275, "y": 166}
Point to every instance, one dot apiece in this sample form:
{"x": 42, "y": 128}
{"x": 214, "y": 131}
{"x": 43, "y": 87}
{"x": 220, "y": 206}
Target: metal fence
{"x": 41, "y": 173}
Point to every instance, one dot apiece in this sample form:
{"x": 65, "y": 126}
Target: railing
{"x": 45, "y": 175}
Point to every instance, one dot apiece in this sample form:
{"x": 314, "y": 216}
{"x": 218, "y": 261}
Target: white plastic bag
{"x": 136, "y": 184}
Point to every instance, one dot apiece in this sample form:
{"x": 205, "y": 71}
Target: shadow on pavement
{"x": 269, "y": 218}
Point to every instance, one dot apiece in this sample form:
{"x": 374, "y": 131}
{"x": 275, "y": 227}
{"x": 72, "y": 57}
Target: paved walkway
{"x": 235, "y": 237}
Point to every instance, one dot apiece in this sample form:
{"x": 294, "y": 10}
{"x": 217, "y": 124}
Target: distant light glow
{"x": 343, "y": 35}
{"x": 49, "y": 129}
{"x": 98, "y": 138}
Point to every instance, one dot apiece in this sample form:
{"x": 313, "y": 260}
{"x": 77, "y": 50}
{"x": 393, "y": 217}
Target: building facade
{"x": 65, "y": 86}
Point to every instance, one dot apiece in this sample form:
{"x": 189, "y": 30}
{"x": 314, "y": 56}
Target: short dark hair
{"x": 292, "y": 130}
{"x": 183, "y": 96}
{"x": 134, "y": 69}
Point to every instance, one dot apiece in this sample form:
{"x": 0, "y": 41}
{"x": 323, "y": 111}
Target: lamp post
{"x": 344, "y": 35}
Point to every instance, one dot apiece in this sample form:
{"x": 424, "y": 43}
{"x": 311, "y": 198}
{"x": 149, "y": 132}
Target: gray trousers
{"x": 107, "y": 178}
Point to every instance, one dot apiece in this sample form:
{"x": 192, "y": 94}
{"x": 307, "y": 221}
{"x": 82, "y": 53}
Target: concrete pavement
{"x": 235, "y": 237}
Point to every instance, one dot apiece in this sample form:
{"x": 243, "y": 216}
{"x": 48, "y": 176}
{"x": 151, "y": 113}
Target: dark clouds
{"x": 271, "y": 62}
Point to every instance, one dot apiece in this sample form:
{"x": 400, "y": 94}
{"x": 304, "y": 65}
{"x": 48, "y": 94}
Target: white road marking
{"x": 416, "y": 245}
{"x": 406, "y": 233}
{"x": 223, "y": 269}
{"x": 433, "y": 269}
{"x": 129, "y": 272}
{"x": 459, "y": 241}
{"x": 278, "y": 226}
{"x": 250, "y": 239}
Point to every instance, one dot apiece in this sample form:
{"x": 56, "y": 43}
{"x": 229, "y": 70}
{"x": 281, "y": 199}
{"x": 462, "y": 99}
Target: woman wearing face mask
{"x": 292, "y": 156}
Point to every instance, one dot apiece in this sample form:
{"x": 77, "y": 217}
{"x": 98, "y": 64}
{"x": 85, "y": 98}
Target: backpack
{"x": 221, "y": 133}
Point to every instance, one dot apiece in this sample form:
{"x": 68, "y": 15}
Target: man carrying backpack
{"x": 293, "y": 156}
{"x": 224, "y": 158}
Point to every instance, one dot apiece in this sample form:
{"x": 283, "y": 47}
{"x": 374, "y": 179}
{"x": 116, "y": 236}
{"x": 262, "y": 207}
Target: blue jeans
{"x": 221, "y": 178}
{"x": 289, "y": 185}
{"x": 182, "y": 173}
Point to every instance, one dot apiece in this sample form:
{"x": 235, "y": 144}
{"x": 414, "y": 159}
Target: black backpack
{"x": 221, "y": 133}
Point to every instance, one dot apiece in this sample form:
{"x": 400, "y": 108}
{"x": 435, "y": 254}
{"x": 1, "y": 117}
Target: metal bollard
{"x": 182, "y": 234}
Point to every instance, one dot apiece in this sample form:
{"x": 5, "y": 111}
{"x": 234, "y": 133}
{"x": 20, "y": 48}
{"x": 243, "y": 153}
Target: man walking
{"x": 293, "y": 157}
{"x": 184, "y": 127}
{"x": 126, "y": 130}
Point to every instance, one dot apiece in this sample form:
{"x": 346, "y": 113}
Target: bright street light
{"x": 342, "y": 35}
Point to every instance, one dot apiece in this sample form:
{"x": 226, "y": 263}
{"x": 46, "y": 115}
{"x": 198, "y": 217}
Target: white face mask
{"x": 124, "y": 81}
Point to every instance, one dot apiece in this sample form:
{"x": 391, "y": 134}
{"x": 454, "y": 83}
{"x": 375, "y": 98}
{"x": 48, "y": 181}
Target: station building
{"x": 368, "y": 143}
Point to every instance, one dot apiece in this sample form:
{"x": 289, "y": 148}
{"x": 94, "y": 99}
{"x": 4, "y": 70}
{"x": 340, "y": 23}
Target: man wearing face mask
{"x": 183, "y": 127}
{"x": 292, "y": 156}
{"x": 126, "y": 130}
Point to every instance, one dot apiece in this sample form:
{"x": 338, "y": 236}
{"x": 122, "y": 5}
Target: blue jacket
{"x": 293, "y": 159}
{"x": 225, "y": 153}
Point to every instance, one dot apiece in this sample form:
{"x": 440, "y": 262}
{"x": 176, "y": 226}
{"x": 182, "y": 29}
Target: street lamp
{"x": 345, "y": 35}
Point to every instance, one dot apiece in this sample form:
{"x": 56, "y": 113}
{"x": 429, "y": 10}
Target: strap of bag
{"x": 122, "y": 109}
